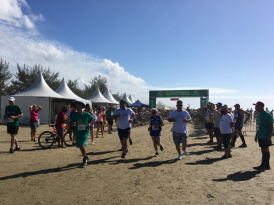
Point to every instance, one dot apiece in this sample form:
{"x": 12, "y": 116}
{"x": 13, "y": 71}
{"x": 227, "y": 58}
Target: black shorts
{"x": 238, "y": 128}
{"x": 217, "y": 132}
{"x": 209, "y": 126}
{"x": 226, "y": 140}
{"x": 110, "y": 121}
{"x": 263, "y": 143}
{"x": 60, "y": 132}
{"x": 12, "y": 129}
{"x": 124, "y": 133}
{"x": 33, "y": 124}
{"x": 99, "y": 122}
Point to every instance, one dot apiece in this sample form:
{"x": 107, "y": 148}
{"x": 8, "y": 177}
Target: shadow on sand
{"x": 205, "y": 162}
{"x": 239, "y": 176}
{"x": 153, "y": 164}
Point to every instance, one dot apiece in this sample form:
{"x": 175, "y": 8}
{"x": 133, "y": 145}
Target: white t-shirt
{"x": 123, "y": 121}
{"x": 225, "y": 124}
{"x": 179, "y": 125}
{"x": 217, "y": 118}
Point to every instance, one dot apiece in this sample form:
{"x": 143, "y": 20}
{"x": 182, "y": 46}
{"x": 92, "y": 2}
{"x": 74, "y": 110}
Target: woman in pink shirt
{"x": 34, "y": 109}
{"x": 99, "y": 122}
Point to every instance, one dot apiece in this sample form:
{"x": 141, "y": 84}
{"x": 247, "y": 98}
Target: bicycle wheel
{"x": 68, "y": 138}
{"x": 46, "y": 139}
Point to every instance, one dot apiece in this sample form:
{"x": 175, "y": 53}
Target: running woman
{"x": 179, "y": 118}
{"x": 239, "y": 121}
{"x": 155, "y": 127}
{"x": 124, "y": 118}
{"x": 264, "y": 127}
{"x": 82, "y": 121}
{"x": 12, "y": 114}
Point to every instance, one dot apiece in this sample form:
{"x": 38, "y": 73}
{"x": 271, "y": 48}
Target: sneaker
{"x": 130, "y": 141}
{"x": 110, "y": 133}
{"x": 229, "y": 156}
{"x": 210, "y": 142}
{"x": 124, "y": 154}
{"x": 92, "y": 142}
{"x": 259, "y": 168}
{"x": 11, "y": 150}
{"x": 17, "y": 149}
{"x": 85, "y": 161}
{"x": 186, "y": 152}
{"x": 224, "y": 157}
{"x": 243, "y": 146}
{"x": 232, "y": 145}
{"x": 161, "y": 148}
{"x": 180, "y": 157}
{"x": 156, "y": 154}
{"x": 218, "y": 148}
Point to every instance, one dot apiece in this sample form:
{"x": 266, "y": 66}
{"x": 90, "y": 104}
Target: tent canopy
{"x": 109, "y": 97}
{"x": 138, "y": 104}
{"x": 131, "y": 98}
{"x": 39, "y": 89}
{"x": 97, "y": 97}
{"x": 125, "y": 98}
{"x": 66, "y": 92}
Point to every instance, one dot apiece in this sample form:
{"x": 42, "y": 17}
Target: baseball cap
{"x": 237, "y": 105}
{"x": 122, "y": 101}
{"x": 224, "y": 107}
{"x": 11, "y": 99}
{"x": 259, "y": 103}
{"x": 219, "y": 103}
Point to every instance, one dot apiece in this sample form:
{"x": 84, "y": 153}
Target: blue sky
{"x": 226, "y": 46}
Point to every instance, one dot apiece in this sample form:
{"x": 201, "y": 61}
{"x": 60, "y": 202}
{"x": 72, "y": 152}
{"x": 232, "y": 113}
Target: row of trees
{"x": 25, "y": 76}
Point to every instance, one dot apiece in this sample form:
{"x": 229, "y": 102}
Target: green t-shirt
{"x": 12, "y": 111}
{"x": 82, "y": 121}
{"x": 109, "y": 113}
{"x": 262, "y": 124}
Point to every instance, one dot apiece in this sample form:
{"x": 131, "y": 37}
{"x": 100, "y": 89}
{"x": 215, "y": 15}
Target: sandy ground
{"x": 56, "y": 176}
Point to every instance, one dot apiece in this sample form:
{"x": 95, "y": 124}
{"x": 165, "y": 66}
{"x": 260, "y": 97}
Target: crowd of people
{"x": 220, "y": 121}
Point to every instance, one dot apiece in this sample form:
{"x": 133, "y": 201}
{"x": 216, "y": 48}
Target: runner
{"x": 210, "y": 122}
{"x": 89, "y": 110}
{"x": 34, "y": 120}
{"x": 226, "y": 125}
{"x": 179, "y": 118}
{"x": 81, "y": 120}
{"x": 12, "y": 114}
{"x": 217, "y": 118}
{"x": 264, "y": 127}
{"x": 61, "y": 117}
{"x": 239, "y": 121}
{"x": 155, "y": 128}
{"x": 124, "y": 118}
{"x": 110, "y": 121}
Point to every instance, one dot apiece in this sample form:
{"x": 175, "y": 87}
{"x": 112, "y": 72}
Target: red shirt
{"x": 60, "y": 120}
{"x": 34, "y": 115}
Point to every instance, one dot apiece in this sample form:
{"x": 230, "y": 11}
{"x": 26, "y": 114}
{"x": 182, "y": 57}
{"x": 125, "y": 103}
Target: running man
{"x": 264, "y": 127}
{"x": 217, "y": 118}
{"x": 124, "y": 118}
{"x": 12, "y": 114}
{"x": 82, "y": 121}
{"x": 210, "y": 122}
{"x": 179, "y": 118}
{"x": 239, "y": 121}
{"x": 155, "y": 127}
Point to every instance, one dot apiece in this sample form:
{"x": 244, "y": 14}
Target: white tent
{"x": 125, "y": 98}
{"x": 97, "y": 97}
{"x": 109, "y": 97}
{"x": 64, "y": 91}
{"x": 131, "y": 98}
{"x": 38, "y": 93}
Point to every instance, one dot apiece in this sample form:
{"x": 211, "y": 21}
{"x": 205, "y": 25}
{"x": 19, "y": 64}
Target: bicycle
{"x": 47, "y": 138}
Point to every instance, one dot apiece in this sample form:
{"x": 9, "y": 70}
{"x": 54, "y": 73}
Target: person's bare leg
{"x": 178, "y": 149}
{"x": 124, "y": 144}
{"x": 92, "y": 133}
{"x": 154, "y": 143}
{"x": 83, "y": 151}
{"x": 31, "y": 134}
{"x": 219, "y": 141}
{"x": 184, "y": 146}
{"x": 210, "y": 133}
{"x": 102, "y": 130}
{"x": 34, "y": 135}
{"x": 12, "y": 140}
{"x": 98, "y": 126}
{"x": 62, "y": 142}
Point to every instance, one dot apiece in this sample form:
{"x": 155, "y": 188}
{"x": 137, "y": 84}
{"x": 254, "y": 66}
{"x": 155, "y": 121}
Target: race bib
{"x": 82, "y": 127}
{"x": 154, "y": 127}
{"x": 10, "y": 120}
{"x": 257, "y": 127}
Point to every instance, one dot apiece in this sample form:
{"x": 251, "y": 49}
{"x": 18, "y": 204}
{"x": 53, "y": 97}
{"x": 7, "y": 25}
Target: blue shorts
{"x": 124, "y": 133}
{"x": 81, "y": 140}
{"x": 60, "y": 132}
{"x": 156, "y": 133}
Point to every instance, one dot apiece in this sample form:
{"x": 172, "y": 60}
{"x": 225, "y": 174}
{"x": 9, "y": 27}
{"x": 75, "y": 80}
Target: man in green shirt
{"x": 110, "y": 121}
{"x": 82, "y": 121}
{"x": 264, "y": 127}
{"x": 12, "y": 113}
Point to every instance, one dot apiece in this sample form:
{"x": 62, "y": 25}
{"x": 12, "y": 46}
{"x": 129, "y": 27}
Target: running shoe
{"x": 224, "y": 157}
{"x": 110, "y": 133}
{"x": 17, "y": 149}
{"x": 130, "y": 141}
{"x": 229, "y": 156}
{"x": 259, "y": 168}
{"x": 186, "y": 152}
{"x": 156, "y": 154}
{"x": 243, "y": 146}
{"x": 210, "y": 142}
{"x": 11, "y": 150}
{"x": 124, "y": 154}
{"x": 161, "y": 148}
{"x": 180, "y": 157}
{"x": 218, "y": 148}
{"x": 85, "y": 161}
